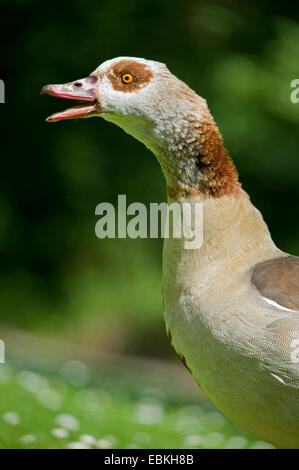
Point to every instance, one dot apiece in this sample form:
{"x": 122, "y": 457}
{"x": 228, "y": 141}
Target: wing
{"x": 277, "y": 280}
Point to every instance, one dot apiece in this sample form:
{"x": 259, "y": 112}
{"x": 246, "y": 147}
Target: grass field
{"x": 72, "y": 408}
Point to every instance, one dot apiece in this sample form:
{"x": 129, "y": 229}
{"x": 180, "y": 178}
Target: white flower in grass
{"x": 236, "y": 442}
{"x": 78, "y": 445}
{"x": 60, "y": 433}
{"x": 188, "y": 420}
{"x": 27, "y": 439}
{"x": 142, "y": 437}
{"x": 188, "y": 424}
{"x": 133, "y": 445}
{"x": 149, "y": 412}
{"x": 11, "y": 418}
{"x": 212, "y": 421}
{"x": 213, "y": 440}
{"x": 88, "y": 439}
{"x": 67, "y": 421}
{"x": 106, "y": 442}
{"x": 261, "y": 445}
{"x": 193, "y": 440}
{"x": 31, "y": 381}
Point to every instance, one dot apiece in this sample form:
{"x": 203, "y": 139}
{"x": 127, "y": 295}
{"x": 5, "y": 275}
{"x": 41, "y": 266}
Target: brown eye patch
{"x": 129, "y": 75}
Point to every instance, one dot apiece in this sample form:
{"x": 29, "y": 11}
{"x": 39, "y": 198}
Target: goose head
{"x": 147, "y": 101}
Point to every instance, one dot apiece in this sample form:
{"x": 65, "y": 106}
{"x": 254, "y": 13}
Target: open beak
{"x": 81, "y": 90}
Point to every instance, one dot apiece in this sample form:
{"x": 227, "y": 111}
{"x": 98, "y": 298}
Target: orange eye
{"x": 127, "y": 78}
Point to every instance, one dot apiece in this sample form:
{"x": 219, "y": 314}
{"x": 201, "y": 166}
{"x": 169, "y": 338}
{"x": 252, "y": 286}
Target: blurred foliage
{"x": 56, "y": 274}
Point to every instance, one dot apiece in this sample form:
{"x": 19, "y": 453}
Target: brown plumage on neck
{"x": 218, "y": 174}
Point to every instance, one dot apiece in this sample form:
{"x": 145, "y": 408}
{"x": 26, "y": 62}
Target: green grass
{"x": 70, "y": 409}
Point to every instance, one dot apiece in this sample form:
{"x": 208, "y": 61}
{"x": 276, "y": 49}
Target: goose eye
{"x": 127, "y": 78}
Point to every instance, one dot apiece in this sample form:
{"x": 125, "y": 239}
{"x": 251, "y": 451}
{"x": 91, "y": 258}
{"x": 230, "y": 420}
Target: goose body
{"x": 231, "y": 306}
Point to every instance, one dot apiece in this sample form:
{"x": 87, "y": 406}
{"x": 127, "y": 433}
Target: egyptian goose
{"x": 231, "y": 307}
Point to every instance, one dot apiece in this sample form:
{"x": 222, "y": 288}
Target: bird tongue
{"x": 82, "y": 90}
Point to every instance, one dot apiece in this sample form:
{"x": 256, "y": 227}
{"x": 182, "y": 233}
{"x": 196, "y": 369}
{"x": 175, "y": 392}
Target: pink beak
{"x": 81, "y": 90}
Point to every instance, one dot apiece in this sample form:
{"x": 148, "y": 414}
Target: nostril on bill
{"x": 93, "y": 78}
{"x": 78, "y": 84}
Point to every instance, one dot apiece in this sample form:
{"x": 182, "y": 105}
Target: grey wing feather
{"x": 278, "y": 281}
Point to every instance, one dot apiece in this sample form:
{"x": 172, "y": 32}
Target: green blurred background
{"x": 57, "y": 279}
